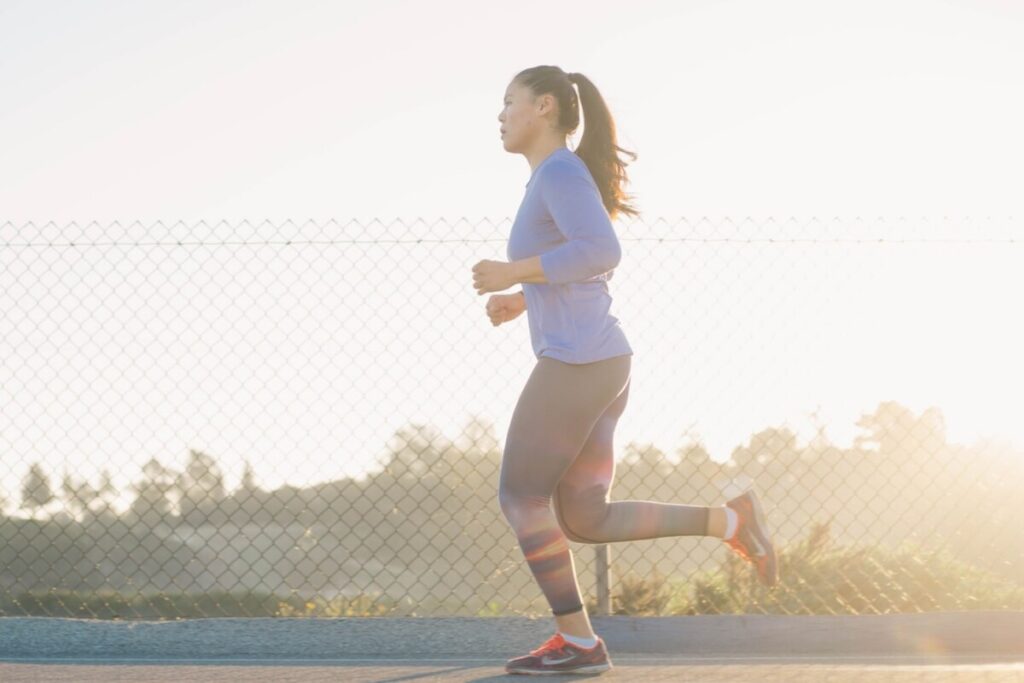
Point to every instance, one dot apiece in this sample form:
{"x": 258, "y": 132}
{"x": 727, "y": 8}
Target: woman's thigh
{"x": 553, "y": 419}
{"x": 585, "y": 486}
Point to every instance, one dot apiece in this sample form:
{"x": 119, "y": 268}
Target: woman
{"x": 562, "y": 247}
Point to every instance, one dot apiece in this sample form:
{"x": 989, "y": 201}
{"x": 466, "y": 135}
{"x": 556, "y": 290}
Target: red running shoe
{"x": 751, "y": 540}
{"x": 558, "y": 656}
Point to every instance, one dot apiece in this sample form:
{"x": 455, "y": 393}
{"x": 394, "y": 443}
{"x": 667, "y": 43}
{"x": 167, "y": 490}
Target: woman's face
{"x": 520, "y": 118}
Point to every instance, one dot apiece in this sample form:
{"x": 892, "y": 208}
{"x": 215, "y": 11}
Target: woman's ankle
{"x": 576, "y": 624}
{"x": 716, "y": 522}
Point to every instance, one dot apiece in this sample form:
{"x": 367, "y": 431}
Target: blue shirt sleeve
{"x": 575, "y": 205}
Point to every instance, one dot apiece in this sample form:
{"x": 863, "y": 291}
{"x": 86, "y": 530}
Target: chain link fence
{"x": 308, "y": 418}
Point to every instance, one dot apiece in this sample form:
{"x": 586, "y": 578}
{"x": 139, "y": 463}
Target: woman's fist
{"x": 493, "y": 276}
{"x": 504, "y": 307}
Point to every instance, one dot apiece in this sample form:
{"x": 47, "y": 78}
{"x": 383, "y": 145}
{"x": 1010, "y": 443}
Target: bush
{"x": 816, "y": 577}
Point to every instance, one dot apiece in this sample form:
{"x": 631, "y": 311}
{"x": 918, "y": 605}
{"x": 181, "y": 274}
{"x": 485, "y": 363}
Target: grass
{"x": 816, "y": 577}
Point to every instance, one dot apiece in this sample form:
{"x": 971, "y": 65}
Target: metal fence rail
{"x": 307, "y": 418}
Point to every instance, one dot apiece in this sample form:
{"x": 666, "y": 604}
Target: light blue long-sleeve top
{"x": 563, "y": 219}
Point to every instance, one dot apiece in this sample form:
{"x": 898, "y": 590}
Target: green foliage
{"x": 358, "y": 606}
{"x": 491, "y": 609}
{"x": 103, "y": 604}
{"x": 425, "y": 534}
{"x": 639, "y": 596}
{"x": 818, "y": 577}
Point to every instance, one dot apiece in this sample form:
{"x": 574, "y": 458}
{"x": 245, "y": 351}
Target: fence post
{"x": 604, "y": 584}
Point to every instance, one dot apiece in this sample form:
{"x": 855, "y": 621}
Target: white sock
{"x": 732, "y": 520}
{"x": 582, "y": 642}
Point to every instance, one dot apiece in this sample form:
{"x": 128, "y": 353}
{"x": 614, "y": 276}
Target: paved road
{"x": 937, "y": 634}
{"x": 956, "y": 647}
{"x": 961, "y": 669}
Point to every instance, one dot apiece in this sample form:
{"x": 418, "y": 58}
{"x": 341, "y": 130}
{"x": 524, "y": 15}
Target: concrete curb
{"x": 930, "y": 633}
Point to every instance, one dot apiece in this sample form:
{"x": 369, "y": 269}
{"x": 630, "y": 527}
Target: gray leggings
{"x": 559, "y": 450}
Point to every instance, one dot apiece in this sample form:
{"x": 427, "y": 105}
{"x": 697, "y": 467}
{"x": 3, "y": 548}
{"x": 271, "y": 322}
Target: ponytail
{"x": 598, "y": 148}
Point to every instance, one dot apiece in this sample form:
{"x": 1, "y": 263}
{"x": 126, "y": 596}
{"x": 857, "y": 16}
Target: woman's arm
{"x": 575, "y": 206}
{"x": 528, "y": 270}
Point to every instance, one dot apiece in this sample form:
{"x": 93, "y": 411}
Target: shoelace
{"x": 553, "y": 643}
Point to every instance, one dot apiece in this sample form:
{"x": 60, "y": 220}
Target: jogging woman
{"x": 558, "y": 451}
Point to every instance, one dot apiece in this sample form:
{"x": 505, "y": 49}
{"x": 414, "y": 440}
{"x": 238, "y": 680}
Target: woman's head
{"x": 541, "y": 102}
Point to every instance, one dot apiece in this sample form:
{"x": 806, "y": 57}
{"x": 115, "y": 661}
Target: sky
{"x": 373, "y": 119}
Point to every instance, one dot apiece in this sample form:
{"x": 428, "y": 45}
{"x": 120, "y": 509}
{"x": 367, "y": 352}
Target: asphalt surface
{"x": 633, "y": 668}
{"x": 931, "y": 646}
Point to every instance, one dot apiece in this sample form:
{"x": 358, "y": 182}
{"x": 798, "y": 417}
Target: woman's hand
{"x": 504, "y": 307}
{"x": 492, "y": 276}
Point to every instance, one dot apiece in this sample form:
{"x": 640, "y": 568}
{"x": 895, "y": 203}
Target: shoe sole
{"x": 762, "y": 523}
{"x": 592, "y": 669}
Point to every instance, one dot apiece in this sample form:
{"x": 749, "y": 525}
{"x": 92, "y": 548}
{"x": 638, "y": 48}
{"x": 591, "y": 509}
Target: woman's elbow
{"x": 612, "y": 255}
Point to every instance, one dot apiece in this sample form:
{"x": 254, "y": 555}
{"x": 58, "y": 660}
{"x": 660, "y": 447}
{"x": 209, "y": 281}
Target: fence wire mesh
{"x": 307, "y": 418}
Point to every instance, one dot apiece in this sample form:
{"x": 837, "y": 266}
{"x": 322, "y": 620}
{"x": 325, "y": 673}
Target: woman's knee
{"x": 581, "y": 514}
{"x": 507, "y": 502}
{"x": 572, "y": 535}
{"x": 521, "y": 509}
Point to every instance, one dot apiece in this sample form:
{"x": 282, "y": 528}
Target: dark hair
{"x": 598, "y": 147}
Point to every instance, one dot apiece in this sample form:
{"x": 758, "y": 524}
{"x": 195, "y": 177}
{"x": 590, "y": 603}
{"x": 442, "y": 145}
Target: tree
{"x": 894, "y": 429}
{"x": 78, "y": 495}
{"x": 201, "y": 486}
{"x": 35, "y": 489}
{"x": 767, "y": 445}
{"x": 106, "y": 490}
{"x": 152, "y": 503}
{"x": 248, "y": 483}
{"x": 82, "y": 498}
